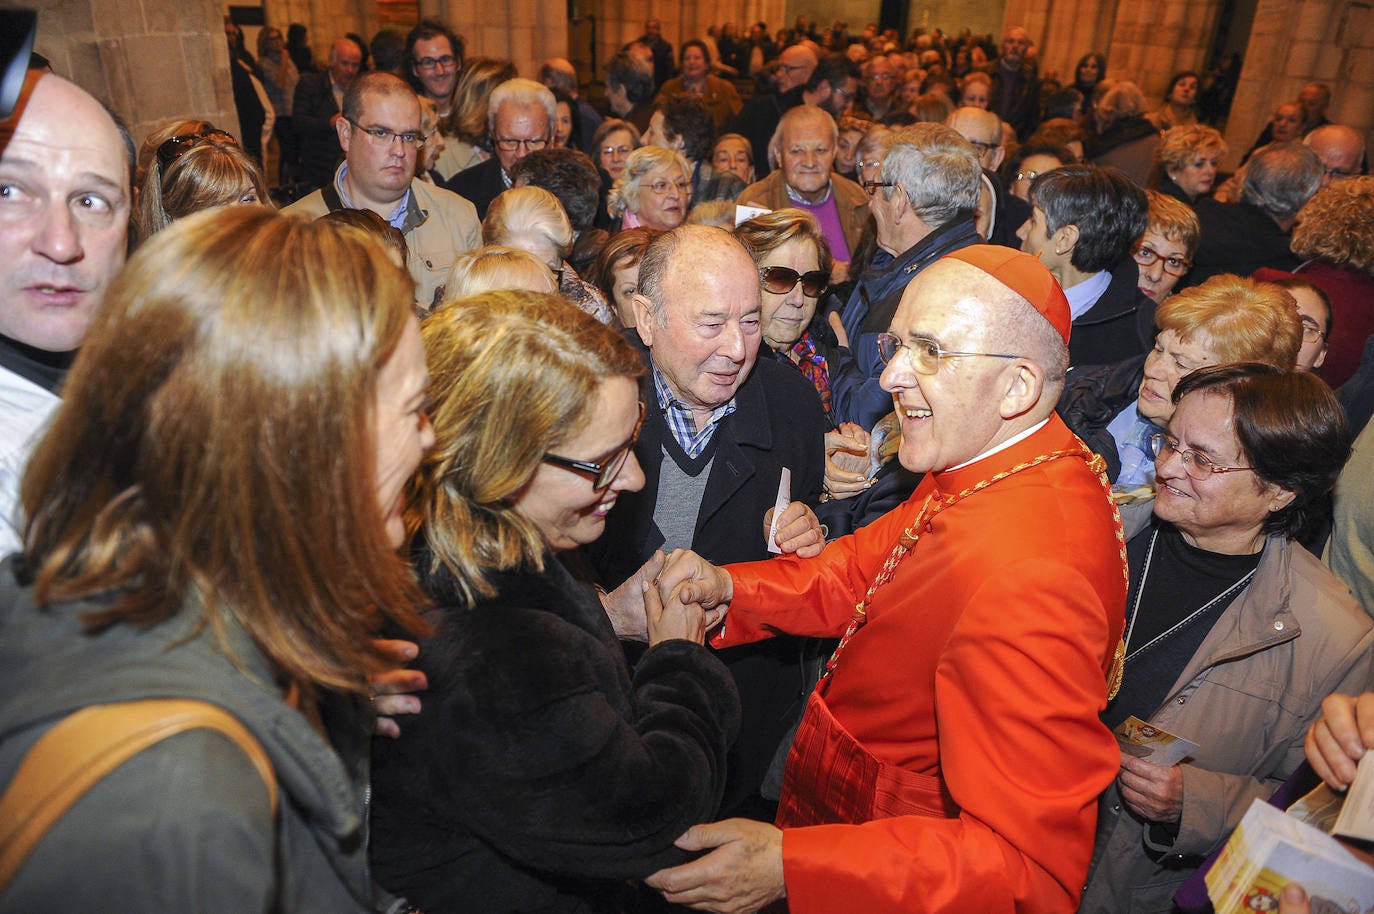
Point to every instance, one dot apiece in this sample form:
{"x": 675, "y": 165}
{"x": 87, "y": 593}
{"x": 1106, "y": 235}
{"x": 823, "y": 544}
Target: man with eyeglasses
{"x": 1341, "y": 150}
{"x": 316, "y": 109}
{"x": 435, "y": 56}
{"x": 879, "y": 93}
{"x": 379, "y": 131}
{"x": 520, "y": 119}
{"x": 759, "y": 117}
{"x": 951, "y": 757}
{"x": 721, "y": 427}
{"x": 924, "y": 200}
{"x": 66, "y": 169}
{"x": 804, "y": 148}
{"x": 1000, "y": 214}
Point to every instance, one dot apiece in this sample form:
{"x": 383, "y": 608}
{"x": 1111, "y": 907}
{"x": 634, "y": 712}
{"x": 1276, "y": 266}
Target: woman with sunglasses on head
{"x": 1234, "y": 632}
{"x": 194, "y": 171}
{"x": 540, "y": 774}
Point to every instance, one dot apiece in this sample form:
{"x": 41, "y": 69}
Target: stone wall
{"x": 149, "y": 60}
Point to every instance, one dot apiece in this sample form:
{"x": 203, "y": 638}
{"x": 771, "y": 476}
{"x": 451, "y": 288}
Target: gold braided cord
{"x": 934, "y": 504}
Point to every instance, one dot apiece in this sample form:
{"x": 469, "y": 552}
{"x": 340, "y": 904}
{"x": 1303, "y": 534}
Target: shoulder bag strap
{"x": 87, "y": 745}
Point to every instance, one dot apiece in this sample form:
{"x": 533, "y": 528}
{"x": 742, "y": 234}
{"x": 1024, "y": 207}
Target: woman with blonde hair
{"x": 655, "y": 190}
{"x": 191, "y": 172}
{"x": 492, "y": 268}
{"x": 465, "y": 128}
{"x": 540, "y": 773}
{"x": 1334, "y": 240}
{"x": 531, "y": 219}
{"x": 1115, "y": 408}
{"x": 1188, "y": 158}
{"x": 215, "y": 515}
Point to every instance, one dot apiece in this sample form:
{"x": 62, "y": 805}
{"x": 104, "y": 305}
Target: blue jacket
{"x": 856, "y": 395}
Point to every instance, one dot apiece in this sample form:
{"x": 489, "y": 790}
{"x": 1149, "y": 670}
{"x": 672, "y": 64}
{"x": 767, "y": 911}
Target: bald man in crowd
{"x": 804, "y": 148}
{"x": 1000, "y": 213}
{"x": 67, "y": 168}
{"x": 317, "y": 108}
{"x": 760, "y": 115}
{"x": 951, "y": 757}
{"x": 1015, "y": 92}
{"x": 1341, "y": 150}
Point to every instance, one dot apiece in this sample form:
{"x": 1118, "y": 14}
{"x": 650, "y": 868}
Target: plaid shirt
{"x": 682, "y": 423}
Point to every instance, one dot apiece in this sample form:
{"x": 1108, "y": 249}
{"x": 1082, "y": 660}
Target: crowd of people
{"x": 769, "y": 488}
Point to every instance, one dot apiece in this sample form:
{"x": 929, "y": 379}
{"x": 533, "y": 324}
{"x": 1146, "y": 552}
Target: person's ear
{"x": 1065, "y": 239}
{"x": 1023, "y": 385}
{"x": 344, "y": 130}
{"x": 1281, "y": 497}
{"x": 645, "y": 322}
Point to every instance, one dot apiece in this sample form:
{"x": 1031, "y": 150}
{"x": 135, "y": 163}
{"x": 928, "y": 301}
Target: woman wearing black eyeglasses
{"x": 540, "y": 775}
{"x": 1234, "y": 632}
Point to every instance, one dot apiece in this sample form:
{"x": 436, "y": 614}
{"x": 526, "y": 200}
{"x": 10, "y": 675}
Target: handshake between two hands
{"x": 679, "y": 595}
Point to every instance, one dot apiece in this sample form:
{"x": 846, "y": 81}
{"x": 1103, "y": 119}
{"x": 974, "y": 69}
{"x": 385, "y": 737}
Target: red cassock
{"x": 954, "y": 753}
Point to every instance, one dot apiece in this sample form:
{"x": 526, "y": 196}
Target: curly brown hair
{"x": 1334, "y": 225}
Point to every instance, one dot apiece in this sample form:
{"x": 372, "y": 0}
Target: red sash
{"x": 830, "y": 778}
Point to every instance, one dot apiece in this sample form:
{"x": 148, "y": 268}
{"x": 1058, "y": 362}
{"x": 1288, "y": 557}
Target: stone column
{"x": 149, "y": 60}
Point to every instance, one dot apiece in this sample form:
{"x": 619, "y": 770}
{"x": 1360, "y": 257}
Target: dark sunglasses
{"x": 601, "y": 472}
{"x": 178, "y": 146}
{"x": 781, "y": 280}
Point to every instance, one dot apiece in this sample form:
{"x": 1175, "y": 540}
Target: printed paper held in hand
{"x": 1159, "y": 747}
{"x": 1270, "y": 849}
{"x": 1357, "y": 815}
{"x": 784, "y": 499}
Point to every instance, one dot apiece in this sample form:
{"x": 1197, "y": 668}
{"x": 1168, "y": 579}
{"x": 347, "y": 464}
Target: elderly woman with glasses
{"x": 1115, "y": 408}
{"x": 540, "y": 774}
{"x": 655, "y": 190}
{"x": 1234, "y": 632}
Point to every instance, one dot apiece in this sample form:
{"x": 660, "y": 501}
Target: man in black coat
{"x": 1254, "y": 231}
{"x": 1015, "y": 92}
{"x": 520, "y": 119}
{"x": 317, "y": 105}
{"x": 720, "y": 429}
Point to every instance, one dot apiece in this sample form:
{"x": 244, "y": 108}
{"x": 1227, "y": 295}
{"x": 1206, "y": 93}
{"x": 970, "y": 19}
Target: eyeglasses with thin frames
{"x": 1196, "y": 464}
{"x": 601, "y": 472}
{"x": 871, "y": 187}
{"x": 1311, "y": 332}
{"x": 924, "y": 354}
{"x": 510, "y": 144}
{"x": 383, "y": 137}
{"x": 661, "y": 187}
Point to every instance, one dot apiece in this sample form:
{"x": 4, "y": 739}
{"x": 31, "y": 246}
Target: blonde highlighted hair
{"x": 1335, "y": 225}
{"x": 512, "y": 374}
{"x": 1243, "y": 320}
{"x": 214, "y": 452}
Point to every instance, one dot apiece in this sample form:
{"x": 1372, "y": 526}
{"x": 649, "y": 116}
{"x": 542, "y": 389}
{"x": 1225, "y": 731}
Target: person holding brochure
{"x": 1234, "y": 632}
